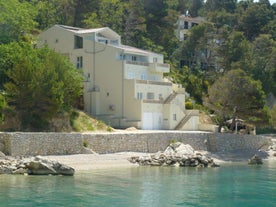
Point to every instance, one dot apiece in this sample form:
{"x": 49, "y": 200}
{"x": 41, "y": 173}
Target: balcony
{"x": 160, "y": 83}
{"x": 159, "y": 67}
{"x": 136, "y": 63}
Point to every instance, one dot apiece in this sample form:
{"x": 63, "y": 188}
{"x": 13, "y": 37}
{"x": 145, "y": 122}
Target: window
{"x": 79, "y": 62}
{"x": 186, "y": 25}
{"x": 143, "y": 76}
{"x": 139, "y": 95}
{"x": 174, "y": 117}
{"x": 122, "y": 56}
{"x": 160, "y": 96}
{"x": 78, "y": 42}
{"x": 155, "y": 59}
{"x": 133, "y": 58}
{"x": 150, "y": 95}
{"x": 131, "y": 75}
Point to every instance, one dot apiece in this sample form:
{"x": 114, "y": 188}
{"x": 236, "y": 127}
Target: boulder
{"x": 2, "y": 147}
{"x": 34, "y": 166}
{"x": 176, "y": 154}
{"x": 255, "y": 160}
{"x": 2, "y": 155}
{"x": 40, "y": 166}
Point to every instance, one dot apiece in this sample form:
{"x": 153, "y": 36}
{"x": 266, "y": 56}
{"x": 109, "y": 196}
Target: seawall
{"x": 30, "y": 143}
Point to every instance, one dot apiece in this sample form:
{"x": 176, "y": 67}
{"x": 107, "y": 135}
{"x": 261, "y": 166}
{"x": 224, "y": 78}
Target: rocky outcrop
{"x": 34, "y": 166}
{"x": 255, "y": 160}
{"x": 176, "y": 154}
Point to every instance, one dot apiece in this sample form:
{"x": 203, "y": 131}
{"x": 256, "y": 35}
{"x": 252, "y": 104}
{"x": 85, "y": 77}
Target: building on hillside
{"x": 185, "y": 23}
{"x": 123, "y": 85}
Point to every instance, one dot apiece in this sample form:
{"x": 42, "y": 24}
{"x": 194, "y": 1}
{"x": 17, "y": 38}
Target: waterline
{"x": 230, "y": 185}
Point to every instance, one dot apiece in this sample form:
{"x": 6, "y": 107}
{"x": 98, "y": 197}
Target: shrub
{"x": 189, "y": 105}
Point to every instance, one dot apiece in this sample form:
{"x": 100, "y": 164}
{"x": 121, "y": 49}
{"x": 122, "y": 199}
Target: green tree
{"x": 273, "y": 116}
{"x": 217, "y": 5}
{"x": 235, "y": 51}
{"x": 236, "y": 95}
{"x": 110, "y": 13}
{"x": 16, "y": 19}
{"x": 50, "y": 12}
{"x": 3, "y": 106}
{"x": 8, "y": 57}
{"x": 253, "y": 19}
{"x": 42, "y": 84}
{"x": 264, "y": 62}
{"x": 135, "y": 26}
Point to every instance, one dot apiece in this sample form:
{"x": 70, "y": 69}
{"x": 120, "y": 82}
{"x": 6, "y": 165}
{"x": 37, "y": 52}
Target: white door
{"x": 147, "y": 122}
{"x": 152, "y": 121}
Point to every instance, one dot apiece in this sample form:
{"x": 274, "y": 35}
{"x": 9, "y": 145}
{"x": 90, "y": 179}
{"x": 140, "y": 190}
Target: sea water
{"x": 236, "y": 184}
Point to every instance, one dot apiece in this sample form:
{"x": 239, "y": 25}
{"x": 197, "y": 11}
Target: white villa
{"x": 124, "y": 86}
{"x": 185, "y": 23}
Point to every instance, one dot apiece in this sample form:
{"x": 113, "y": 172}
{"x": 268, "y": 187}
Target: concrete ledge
{"x": 23, "y": 144}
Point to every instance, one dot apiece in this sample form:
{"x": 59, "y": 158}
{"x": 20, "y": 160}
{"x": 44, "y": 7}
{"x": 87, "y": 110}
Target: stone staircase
{"x": 183, "y": 121}
{"x": 170, "y": 98}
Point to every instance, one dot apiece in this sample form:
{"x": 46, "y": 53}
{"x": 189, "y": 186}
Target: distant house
{"x": 123, "y": 85}
{"x": 185, "y": 23}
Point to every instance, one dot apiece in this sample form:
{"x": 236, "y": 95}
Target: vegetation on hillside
{"x": 237, "y": 35}
{"x": 81, "y": 122}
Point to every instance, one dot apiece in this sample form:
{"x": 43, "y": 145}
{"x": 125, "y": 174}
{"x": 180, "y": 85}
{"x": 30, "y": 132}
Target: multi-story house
{"x": 123, "y": 85}
{"x": 185, "y": 23}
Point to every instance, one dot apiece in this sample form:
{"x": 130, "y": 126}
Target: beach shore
{"x": 85, "y": 162}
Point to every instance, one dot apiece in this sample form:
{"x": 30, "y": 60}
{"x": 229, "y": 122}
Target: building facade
{"x": 185, "y": 23}
{"x": 123, "y": 86}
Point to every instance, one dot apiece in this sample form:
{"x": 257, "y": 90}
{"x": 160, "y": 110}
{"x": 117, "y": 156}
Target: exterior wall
{"x": 160, "y": 90}
{"x": 185, "y": 23}
{"x": 56, "y": 38}
{"x": 109, "y": 79}
{"x": 23, "y": 144}
{"x": 191, "y": 124}
{"x": 107, "y": 68}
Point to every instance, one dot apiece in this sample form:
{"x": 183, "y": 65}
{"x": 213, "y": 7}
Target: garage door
{"x": 152, "y": 121}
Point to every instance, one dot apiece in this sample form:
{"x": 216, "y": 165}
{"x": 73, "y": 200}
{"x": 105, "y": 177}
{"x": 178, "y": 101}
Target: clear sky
{"x": 271, "y": 1}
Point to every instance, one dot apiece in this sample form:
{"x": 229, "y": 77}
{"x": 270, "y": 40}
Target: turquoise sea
{"x": 230, "y": 185}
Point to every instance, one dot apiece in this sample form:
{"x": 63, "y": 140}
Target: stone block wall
{"x": 23, "y": 144}
{"x": 142, "y": 142}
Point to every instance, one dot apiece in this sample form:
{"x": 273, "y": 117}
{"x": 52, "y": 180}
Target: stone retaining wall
{"x": 21, "y": 144}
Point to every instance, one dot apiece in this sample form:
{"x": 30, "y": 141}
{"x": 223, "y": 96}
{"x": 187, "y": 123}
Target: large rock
{"x": 179, "y": 149}
{"x": 2, "y": 155}
{"x": 255, "y": 160}
{"x": 40, "y": 166}
{"x": 176, "y": 154}
{"x": 34, "y": 166}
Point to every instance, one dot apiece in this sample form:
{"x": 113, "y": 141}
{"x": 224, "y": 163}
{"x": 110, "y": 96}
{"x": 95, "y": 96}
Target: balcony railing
{"x": 161, "y": 83}
{"x": 155, "y": 67}
{"x": 137, "y": 63}
{"x": 159, "y": 67}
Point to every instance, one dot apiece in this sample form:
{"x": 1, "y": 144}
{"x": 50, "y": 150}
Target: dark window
{"x": 79, "y": 62}
{"x": 186, "y": 25}
{"x": 78, "y": 42}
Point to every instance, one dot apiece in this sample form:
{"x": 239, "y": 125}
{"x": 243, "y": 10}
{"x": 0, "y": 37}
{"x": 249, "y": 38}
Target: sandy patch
{"x": 84, "y": 162}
